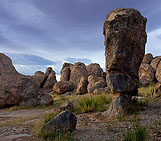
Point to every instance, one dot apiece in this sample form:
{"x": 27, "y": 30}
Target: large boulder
{"x": 158, "y": 72}
{"x": 77, "y": 71}
{"x": 155, "y": 62}
{"x": 50, "y": 80}
{"x": 82, "y": 86}
{"x": 14, "y": 85}
{"x": 94, "y": 69}
{"x": 125, "y": 38}
{"x": 62, "y": 123}
{"x": 95, "y": 83}
{"x": 147, "y": 58}
{"x": 62, "y": 87}
{"x": 146, "y": 74}
{"x": 40, "y": 76}
{"x": 45, "y": 99}
{"x": 65, "y": 72}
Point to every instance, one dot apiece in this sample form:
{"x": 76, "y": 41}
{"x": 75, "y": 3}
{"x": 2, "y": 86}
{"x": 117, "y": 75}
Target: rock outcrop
{"x": 158, "y": 72}
{"x": 147, "y": 58}
{"x": 15, "y": 87}
{"x": 77, "y": 71}
{"x": 155, "y": 62}
{"x": 125, "y": 39}
{"x": 82, "y": 86}
{"x": 146, "y": 74}
{"x": 94, "y": 69}
{"x": 62, "y": 87}
{"x": 95, "y": 83}
{"x": 157, "y": 90}
{"x": 62, "y": 123}
{"x": 65, "y": 72}
{"x": 49, "y": 81}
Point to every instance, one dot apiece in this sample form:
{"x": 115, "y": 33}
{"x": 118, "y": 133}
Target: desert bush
{"x": 94, "y": 103}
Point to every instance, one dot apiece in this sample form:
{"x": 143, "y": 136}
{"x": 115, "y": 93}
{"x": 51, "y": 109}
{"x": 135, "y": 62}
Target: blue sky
{"x": 41, "y": 33}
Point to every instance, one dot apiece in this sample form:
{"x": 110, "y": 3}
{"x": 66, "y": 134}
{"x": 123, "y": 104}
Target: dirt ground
{"x": 15, "y": 125}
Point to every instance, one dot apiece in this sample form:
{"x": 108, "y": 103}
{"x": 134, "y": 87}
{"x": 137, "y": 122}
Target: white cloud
{"x": 154, "y": 42}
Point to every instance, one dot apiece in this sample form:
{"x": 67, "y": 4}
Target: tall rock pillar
{"x": 125, "y": 39}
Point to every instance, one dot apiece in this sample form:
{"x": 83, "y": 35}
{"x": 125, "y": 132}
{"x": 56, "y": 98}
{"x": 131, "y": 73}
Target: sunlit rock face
{"x": 125, "y": 38}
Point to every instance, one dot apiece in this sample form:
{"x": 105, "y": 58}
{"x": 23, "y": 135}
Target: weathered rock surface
{"x": 45, "y": 99}
{"x": 95, "y": 83}
{"x": 158, "y": 72}
{"x": 65, "y": 72}
{"x": 146, "y": 74}
{"x": 94, "y": 69}
{"x": 154, "y": 63}
{"x": 147, "y": 58}
{"x": 14, "y": 84}
{"x": 101, "y": 90}
{"x": 62, "y": 87}
{"x": 67, "y": 106}
{"x": 50, "y": 80}
{"x": 40, "y": 76}
{"x": 157, "y": 90}
{"x": 77, "y": 71}
{"x": 29, "y": 102}
{"x": 63, "y": 122}
{"x": 125, "y": 39}
{"x": 82, "y": 86}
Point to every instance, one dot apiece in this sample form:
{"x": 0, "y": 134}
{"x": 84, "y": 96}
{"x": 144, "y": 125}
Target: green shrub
{"x": 138, "y": 134}
{"x": 94, "y": 103}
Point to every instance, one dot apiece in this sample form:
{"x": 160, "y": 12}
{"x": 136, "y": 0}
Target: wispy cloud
{"x": 74, "y": 60}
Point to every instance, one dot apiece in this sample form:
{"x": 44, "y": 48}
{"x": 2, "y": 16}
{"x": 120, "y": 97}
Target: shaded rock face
{"x": 158, "y": 72}
{"x": 82, "y": 86}
{"x": 94, "y": 69}
{"x": 14, "y": 85}
{"x": 146, "y": 74}
{"x": 62, "y": 87}
{"x": 63, "y": 122}
{"x": 95, "y": 83}
{"x": 46, "y": 80}
{"x": 49, "y": 81}
{"x": 155, "y": 62}
{"x": 77, "y": 71}
{"x": 40, "y": 76}
{"x": 65, "y": 72}
{"x": 125, "y": 39}
{"x": 147, "y": 58}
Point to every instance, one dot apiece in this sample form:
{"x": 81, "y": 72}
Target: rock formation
{"x": 94, "y": 69}
{"x": 125, "y": 39}
{"x": 77, "y": 71}
{"x": 82, "y": 86}
{"x": 63, "y": 123}
{"x": 95, "y": 83}
{"x": 147, "y": 58}
{"x": 62, "y": 87}
{"x": 146, "y": 74}
{"x": 16, "y": 88}
{"x": 158, "y": 72}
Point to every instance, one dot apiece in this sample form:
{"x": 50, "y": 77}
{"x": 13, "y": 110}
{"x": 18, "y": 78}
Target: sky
{"x": 37, "y": 34}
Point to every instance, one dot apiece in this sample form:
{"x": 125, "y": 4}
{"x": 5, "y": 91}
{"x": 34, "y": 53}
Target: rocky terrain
{"x": 31, "y": 105}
